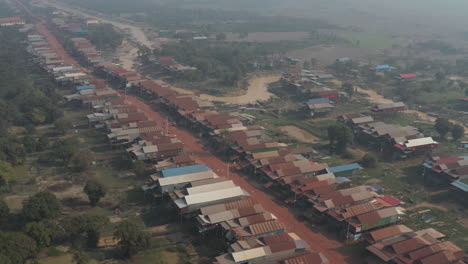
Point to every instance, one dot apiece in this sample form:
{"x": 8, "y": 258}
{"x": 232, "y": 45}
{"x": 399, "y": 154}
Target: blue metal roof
{"x": 460, "y": 185}
{"x": 348, "y": 167}
{"x": 85, "y": 87}
{"x": 342, "y": 179}
{"x": 184, "y": 170}
{"x": 382, "y": 66}
{"x": 318, "y": 101}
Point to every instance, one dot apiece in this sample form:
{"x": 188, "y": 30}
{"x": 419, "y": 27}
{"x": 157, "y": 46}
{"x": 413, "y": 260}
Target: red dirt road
{"x": 335, "y": 251}
{"x": 317, "y": 241}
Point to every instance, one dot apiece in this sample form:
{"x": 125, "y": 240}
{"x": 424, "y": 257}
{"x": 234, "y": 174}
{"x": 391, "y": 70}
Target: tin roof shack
{"x": 191, "y": 203}
{"x": 271, "y": 249}
{"x": 407, "y": 76}
{"x": 386, "y": 232}
{"x": 424, "y": 246}
{"x": 309, "y": 258}
{"x": 257, "y": 230}
{"x": 389, "y": 108}
{"x": 461, "y": 185}
{"x": 359, "y": 224}
{"x": 341, "y": 198}
{"x": 320, "y": 106}
{"x": 324, "y": 92}
{"x": 416, "y": 146}
{"x": 384, "y": 136}
{"x": 169, "y": 184}
{"x": 355, "y": 119}
{"x": 144, "y": 150}
{"x": 212, "y": 221}
{"x": 348, "y": 170}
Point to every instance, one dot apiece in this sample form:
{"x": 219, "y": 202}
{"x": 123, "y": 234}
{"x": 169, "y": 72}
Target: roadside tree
{"x": 340, "y": 136}
{"x": 458, "y": 132}
{"x": 131, "y": 237}
{"x": 95, "y": 191}
{"x": 442, "y": 126}
{"x": 42, "y": 205}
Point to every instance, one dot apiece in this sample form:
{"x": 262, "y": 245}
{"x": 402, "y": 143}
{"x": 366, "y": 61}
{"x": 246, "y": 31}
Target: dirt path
{"x": 300, "y": 134}
{"x": 135, "y": 31}
{"x": 257, "y": 91}
{"x": 428, "y": 205}
{"x": 317, "y": 241}
{"x": 332, "y": 249}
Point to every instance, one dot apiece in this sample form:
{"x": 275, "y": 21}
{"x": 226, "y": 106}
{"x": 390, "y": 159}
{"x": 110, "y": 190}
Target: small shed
{"x": 348, "y": 170}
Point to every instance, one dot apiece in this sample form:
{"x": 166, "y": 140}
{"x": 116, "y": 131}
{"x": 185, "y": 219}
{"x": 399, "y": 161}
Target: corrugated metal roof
{"x": 348, "y": 167}
{"x": 214, "y": 195}
{"x": 211, "y": 187}
{"x": 390, "y": 231}
{"x": 184, "y": 170}
{"x": 249, "y": 254}
{"x": 247, "y": 202}
{"x": 310, "y": 258}
{"x": 187, "y": 178}
{"x": 265, "y": 227}
{"x": 420, "y": 142}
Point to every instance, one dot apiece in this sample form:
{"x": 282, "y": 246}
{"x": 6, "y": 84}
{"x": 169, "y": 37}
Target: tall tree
{"x": 442, "y": 126}
{"x": 340, "y": 136}
{"x": 458, "y": 132}
{"x": 131, "y": 237}
{"x": 39, "y": 232}
{"x": 348, "y": 88}
{"x": 62, "y": 125}
{"x": 42, "y": 205}
{"x": 95, "y": 191}
{"x": 88, "y": 225}
{"x": 17, "y": 247}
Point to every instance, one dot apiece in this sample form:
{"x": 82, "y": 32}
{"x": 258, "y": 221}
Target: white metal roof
{"x": 214, "y": 195}
{"x": 249, "y": 254}
{"x": 187, "y": 178}
{"x": 150, "y": 149}
{"x": 211, "y": 187}
{"x": 419, "y": 142}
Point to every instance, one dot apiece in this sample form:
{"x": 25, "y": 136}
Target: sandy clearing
{"x": 15, "y": 202}
{"x": 428, "y": 205}
{"x": 257, "y": 91}
{"x": 300, "y": 134}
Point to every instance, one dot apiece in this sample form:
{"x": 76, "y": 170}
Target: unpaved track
{"x": 256, "y": 91}
{"x": 332, "y": 249}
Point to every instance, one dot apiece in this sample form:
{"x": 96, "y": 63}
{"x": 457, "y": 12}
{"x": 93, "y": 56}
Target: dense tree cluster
{"x": 104, "y": 36}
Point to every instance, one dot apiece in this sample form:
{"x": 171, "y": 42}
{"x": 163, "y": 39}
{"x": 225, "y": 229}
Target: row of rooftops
{"x": 86, "y": 49}
{"x": 11, "y": 21}
{"x": 360, "y": 207}
{"x": 450, "y": 167}
{"x": 256, "y": 236}
{"x": 54, "y": 63}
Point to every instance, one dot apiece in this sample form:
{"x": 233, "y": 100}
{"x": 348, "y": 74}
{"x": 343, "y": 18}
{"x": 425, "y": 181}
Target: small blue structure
{"x": 184, "y": 170}
{"x": 461, "y": 185}
{"x": 345, "y": 170}
{"x": 85, "y": 87}
{"x": 383, "y": 68}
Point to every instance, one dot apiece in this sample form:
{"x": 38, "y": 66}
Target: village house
{"x": 424, "y": 246}
{"x": 389, "y": 108}
{"x": 11, "y": 21}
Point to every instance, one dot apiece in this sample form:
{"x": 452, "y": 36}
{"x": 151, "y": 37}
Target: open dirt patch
{"x": 15, "y": 202}
{"x": 428, "y": 205}
{"x": 257, "y": 91}
{"x": 300, "y": 134}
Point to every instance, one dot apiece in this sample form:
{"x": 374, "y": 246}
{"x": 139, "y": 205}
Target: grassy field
{"x": 371, "y": 40}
